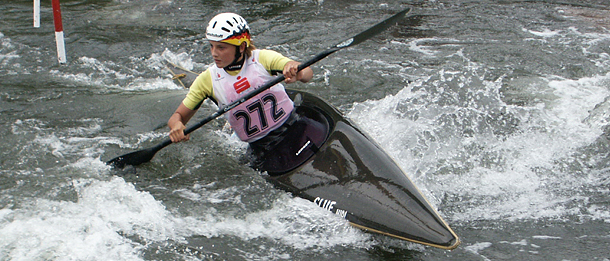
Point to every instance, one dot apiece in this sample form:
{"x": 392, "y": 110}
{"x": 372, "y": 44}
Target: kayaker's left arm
{"x": 292, "y": 74}
{"x": 177, "y": 123}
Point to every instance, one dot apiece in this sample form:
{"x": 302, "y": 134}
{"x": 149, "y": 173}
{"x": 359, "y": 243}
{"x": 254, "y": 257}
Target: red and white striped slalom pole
{"x": 59, "y": 33}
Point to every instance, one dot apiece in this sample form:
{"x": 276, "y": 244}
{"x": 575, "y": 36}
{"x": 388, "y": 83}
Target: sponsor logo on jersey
{"x": 241, "y": 84}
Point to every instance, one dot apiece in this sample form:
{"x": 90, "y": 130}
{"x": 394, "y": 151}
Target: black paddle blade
{"x": 134, "y": 158}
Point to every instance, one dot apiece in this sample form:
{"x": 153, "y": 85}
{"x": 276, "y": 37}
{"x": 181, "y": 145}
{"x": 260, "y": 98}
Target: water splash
{"x": 481, "y": 158}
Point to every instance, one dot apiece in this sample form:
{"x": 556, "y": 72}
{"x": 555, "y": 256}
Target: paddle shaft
{"x": 145, "y": 155}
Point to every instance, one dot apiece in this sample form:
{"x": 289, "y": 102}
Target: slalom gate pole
{"x": 36, "y": 13}
{"x": 59, "y": 33}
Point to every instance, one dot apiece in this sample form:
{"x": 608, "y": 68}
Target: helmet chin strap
{"x": 237, "y": 64}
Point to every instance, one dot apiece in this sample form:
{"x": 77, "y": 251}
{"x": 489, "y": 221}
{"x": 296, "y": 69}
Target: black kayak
{"x": 326, "y": 159}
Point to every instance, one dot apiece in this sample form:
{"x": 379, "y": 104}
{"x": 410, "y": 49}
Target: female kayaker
{"x": 239, "y": 68}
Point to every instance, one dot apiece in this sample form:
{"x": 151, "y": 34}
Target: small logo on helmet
{"x": 213, "y": 35}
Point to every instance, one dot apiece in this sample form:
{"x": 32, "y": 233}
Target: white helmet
{"x": 229, "y": 28}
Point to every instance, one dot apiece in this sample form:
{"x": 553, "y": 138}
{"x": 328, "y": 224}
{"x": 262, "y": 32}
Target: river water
{"x": 497, "y": 110}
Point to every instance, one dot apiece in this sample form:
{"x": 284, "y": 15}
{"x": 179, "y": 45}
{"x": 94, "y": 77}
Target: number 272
{"x": 257, "y": 109}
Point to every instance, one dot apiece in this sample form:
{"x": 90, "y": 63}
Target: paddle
{"x": 145, "y": 155}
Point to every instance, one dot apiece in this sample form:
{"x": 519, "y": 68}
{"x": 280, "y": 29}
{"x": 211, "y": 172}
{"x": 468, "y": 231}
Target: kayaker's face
{"x": 222, "y": 53}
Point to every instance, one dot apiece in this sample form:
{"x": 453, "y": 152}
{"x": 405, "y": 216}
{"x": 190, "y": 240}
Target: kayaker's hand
{"x": 176, "y": 133}
{"x": 292, "y": 73}
{"x": 291, "y": 70}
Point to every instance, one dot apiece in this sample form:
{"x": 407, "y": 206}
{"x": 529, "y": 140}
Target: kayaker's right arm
{"x": 177, "y": 123}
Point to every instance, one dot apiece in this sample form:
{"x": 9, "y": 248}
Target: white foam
{"x": 112, "y": 220}
{"x": 546, "y": 33}
{"x": 578, "y": 97}
{"x": 9, "y": 54}
{"x": 477, "y": 247}
{"x": 109, "y": 75}
{"x": 77, "y": 140}
{"x": 417, "y": 46}
{"x": 181, "y": 59}
{"x": 501, "y": 178}
{"x": 292, "y": 221}
{"x": 522, "y": 242}
{"x": 545, "y": 237}
{"x": 93, "y": 227}
{"x": 600, "y": 212}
